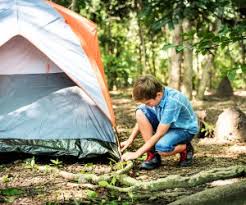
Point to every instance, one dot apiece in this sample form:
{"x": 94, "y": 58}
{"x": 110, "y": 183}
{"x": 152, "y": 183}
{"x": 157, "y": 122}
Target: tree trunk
{"x": 142, "y": 47}
{"x": 243, "y": 50}
{"x": 74, "y": 5}
{"x": 176, "y": 58}
{"x": 204, "y": 79}
{"x": 232, "y": 194}
{"x": 153, "y": 70}
{"x": 188, "y": 70}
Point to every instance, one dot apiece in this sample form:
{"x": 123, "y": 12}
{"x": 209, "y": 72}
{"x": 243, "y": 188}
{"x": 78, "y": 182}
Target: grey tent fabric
{"x": 47, "y": 30}
{"x": 43, "y": 110}
{"x": 49, "y": 114}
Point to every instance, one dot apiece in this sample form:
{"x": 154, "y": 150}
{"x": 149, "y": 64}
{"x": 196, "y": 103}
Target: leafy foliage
{"x": 56, "y": 162}
{"x": 91, "y": 194}
{"x": 11, "y": 192}
{"x": 31, "y": 163}
{"x": 134, "y": 35}
{"x": 208, "y": 129}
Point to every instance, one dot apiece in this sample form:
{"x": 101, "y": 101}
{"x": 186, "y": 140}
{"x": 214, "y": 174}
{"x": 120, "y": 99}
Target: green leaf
{"x": 56, "y": 162}
{"x": 130, "y": 194}
{"x": 243, "y": 67}
{"x": 231, "y": 75}
{"x": 112, "y": 203}
{"x": 179, "y": 48}
{"x": 10, "y": 199}
{"x": 11, "y": 192}
{"x": 103, "y": 183}
{"x": 5, "y": 179}
{"x": 113, "y": 181}
{"x": 88, "y": 165}
{"x": 91, "y": 194}
{"x": 32, "y": 163}
{"x": 142, "y": 158}
{"x": 167, "y": 46}
{"x": 119, "y": 165}
{"x": 216, "y": 39}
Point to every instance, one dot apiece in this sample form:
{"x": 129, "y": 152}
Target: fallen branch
{"x": 170, "y": 182}
{"x": 177, "y": 181}
{"x": 226, "y": 195}
{"x": 83, "y": 178}
{"x": 150, "y": 196}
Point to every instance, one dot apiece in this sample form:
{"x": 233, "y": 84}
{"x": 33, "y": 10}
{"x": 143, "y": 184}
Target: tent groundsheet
{"x": 49, "y": 114}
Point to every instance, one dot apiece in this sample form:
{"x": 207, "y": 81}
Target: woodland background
{"x": 196, "y": 46}
{"x": 191, "y": 45}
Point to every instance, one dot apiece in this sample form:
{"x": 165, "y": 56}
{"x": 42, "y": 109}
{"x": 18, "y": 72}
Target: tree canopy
{"x": 135, "y": 38}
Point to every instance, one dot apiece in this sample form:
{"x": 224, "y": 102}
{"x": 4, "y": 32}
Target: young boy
{"x": 166, "y": 121}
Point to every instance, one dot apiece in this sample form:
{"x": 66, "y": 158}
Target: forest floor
{"x": 22, "y": 183}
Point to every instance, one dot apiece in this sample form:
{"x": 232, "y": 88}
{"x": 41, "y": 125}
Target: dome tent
{"x": 53, "y": 94}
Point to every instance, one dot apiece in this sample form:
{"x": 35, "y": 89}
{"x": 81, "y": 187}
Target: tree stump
{"x": 231, "y": 125}
{"x": 224, "y": 89}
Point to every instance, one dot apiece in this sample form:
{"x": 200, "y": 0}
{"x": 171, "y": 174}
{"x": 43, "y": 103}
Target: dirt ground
{"x": 22, "y": 183}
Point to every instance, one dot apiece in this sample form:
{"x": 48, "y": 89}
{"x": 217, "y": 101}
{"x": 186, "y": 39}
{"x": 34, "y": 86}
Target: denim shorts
{"x": 173, "y": 137}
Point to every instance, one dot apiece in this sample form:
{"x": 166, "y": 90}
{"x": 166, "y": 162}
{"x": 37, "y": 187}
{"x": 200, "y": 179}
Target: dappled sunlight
{"x": 238, "y": 148}
{"x": 223, "y": 182}
{"x": 212, "y": 141}
{"x": 221, "y": 149}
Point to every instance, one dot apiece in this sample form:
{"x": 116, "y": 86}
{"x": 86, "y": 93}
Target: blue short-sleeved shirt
{"x": 175, "y": 109}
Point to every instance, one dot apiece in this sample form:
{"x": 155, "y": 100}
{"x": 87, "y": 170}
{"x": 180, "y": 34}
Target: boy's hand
{"x": 124, "y": 145}
{"x": 129, "y": 156}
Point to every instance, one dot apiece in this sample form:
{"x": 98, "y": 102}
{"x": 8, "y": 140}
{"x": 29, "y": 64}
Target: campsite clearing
{"x": 22, "y": 183}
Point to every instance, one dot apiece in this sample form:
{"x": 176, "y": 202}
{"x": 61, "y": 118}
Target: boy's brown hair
{"x": 146, "y": 87}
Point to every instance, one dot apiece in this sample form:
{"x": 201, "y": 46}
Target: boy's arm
{"x": 129, "y": 141}
{"x": 161, "y": 130}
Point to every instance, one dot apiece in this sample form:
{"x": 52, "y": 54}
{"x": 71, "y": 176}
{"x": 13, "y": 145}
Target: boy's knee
{"x": 164, "y": 145}
{"x": 145, "y": 114}
{"x": 160, "y": 147}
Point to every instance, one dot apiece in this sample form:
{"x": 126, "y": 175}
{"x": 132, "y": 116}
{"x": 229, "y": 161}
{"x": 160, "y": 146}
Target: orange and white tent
{"x": 54, "y": 97}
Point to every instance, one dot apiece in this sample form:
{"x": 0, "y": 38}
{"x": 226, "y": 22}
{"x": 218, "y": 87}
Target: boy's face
{"x": 153, "y": 102}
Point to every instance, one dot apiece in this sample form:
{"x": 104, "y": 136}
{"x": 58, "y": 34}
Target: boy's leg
{"x": 175, "y": 141}
{"x": 177, "y": 149}
{"x": 147, "y": 123}
{"x": 144, "y": 125}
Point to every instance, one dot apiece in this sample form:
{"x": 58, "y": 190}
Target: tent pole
{"x": 117, "y": 140}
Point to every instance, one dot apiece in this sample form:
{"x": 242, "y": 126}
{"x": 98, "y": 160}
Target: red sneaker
{"x": 152, "y": 161}
{"x": 150, "y": 156}
{"x": 186, "y": 156}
